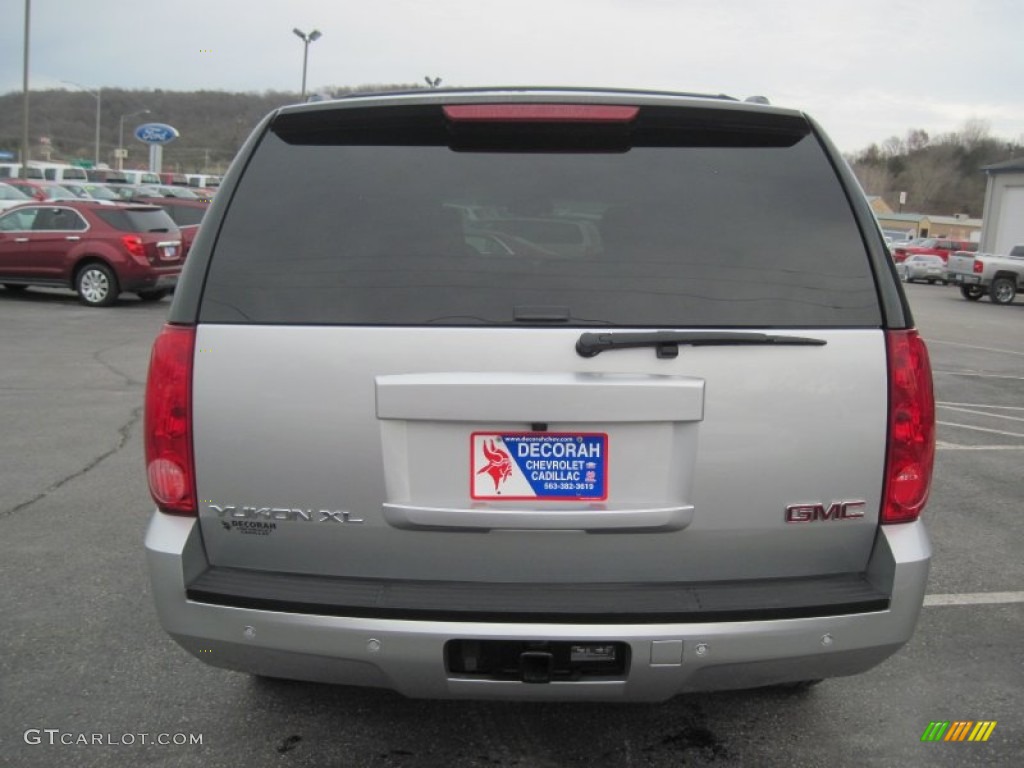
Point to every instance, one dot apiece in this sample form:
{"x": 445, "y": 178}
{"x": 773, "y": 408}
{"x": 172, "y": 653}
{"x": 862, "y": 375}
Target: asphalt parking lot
{"x": 82, "y": 654}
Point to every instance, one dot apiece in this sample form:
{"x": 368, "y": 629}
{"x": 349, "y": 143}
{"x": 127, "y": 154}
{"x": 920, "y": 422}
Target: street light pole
{"x": 120, "y": 136}
{"x": 306, "y": 40}
{"x": 96, "y": 95}
{"x": 24, "y": 97}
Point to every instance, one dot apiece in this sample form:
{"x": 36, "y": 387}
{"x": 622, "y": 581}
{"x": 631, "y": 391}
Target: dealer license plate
{"x": 539, "y": 465}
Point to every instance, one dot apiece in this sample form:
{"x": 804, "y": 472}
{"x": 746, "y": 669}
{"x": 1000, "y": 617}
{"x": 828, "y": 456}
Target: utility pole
{"x": 96, "y": 95}
{"x": 120, "y": 137}
{"x": 24, "y": 97}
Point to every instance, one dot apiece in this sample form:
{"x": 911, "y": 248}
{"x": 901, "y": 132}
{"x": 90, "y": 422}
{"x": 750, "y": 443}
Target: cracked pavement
{"x": 69, "y": 405}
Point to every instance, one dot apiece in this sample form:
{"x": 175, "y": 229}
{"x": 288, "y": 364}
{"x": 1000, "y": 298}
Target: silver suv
{"x": 395, "y": 445}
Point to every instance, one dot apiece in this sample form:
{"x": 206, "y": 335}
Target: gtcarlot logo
{"x": 56, "y": 737}
{"x": 958, "y": 730}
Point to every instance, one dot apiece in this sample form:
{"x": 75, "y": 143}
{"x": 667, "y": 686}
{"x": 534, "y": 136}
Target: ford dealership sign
{"x": 156, "y": 133}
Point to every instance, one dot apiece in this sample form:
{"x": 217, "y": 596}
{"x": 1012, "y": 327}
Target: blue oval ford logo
{"x": 156, "y": 133}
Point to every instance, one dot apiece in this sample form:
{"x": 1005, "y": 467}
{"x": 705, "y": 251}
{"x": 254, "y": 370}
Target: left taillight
{"x": 911, "y": 450}
{"x": 136, "y": 248}
{"x": 170, "y": 466}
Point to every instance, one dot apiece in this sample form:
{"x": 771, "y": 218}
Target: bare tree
{"x": 917, "y": 139}
{"x": 929, "y": 177}
{"x": 874, "y": 179}
{"x": 894, "y": 146}
{"x": 974, "y": 133}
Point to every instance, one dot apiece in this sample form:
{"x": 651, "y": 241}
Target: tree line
{"x": 940, "y": 175}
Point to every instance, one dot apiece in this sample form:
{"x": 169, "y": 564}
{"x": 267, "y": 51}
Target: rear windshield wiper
{"x": 666, "y": 343}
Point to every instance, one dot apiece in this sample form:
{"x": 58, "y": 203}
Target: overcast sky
{"x": 866, "y": 70}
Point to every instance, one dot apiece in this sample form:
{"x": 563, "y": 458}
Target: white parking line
{"x": 978, "y": 405}
{"x": 981, "y": 429}
{"x": 981, "y": 413}
{"x": 972, "y": 346}
{"x": 980, "y": 375}
{"x": 975, "y": 598}
{"x": 941, "y": 446}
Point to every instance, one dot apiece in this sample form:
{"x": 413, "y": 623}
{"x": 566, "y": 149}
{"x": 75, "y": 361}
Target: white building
{"x": 1004, "y": 207}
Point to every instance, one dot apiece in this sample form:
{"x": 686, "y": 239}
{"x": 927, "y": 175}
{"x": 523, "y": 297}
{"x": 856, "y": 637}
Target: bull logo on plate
{"x": 499, "y": 464}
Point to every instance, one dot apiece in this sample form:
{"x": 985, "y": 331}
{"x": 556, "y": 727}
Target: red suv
{"x": 97, "y": 250}
{"x": 933, "y": 246}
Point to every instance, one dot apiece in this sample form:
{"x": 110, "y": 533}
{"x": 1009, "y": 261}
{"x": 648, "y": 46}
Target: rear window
{"x": 137, "y": 219}
{"x": 185, "y": 216}
{"x": 686, "y": 224}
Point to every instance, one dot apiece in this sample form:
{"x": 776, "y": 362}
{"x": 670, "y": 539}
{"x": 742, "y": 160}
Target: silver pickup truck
{"x": 980, "y": 273}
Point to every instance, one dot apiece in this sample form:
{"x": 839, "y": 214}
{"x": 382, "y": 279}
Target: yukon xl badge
{"x": 812, "y": 513}
{"x": 283, "y": 514}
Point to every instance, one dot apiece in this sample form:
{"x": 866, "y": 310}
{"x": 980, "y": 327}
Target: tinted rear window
{"x": 744, "y": 231}
{"x": 137, "y": 219}
{"x": 185, "y": 215}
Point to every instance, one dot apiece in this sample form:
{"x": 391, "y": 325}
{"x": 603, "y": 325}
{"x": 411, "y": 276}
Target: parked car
{"x": 11, "y": 196}
{"x": 98, "y": 250}
{"x": 203, "y": 180}
{"x": 562, "y": 236}
{"x": 106, "y": 176}
{"x": 91, "y": 191}
{"x": 168, "y": 190}
{"x": 174, "y": 179}
{"x": 922, "y": 267}
{"x": 694, "y": 459}
{"x": 1000, "y": 276}
{"x": 42, "y": 190}
{"x": 187, "y": 214}
{"x": 932, "y": 246}
{"x": 128, "y": 192}
{"x": 501, "y": 244}
{"x": 898, "y": 237}
{"x": 142, "y": 177}
{"x": 62, "y": 172}
{"x": 14, "y": 171}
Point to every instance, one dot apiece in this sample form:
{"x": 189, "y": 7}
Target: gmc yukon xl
{"x": 387, "y": 452}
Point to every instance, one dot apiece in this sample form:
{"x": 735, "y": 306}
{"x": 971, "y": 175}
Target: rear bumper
{"x": 961, "y": 279}
{"x": 150, "y": 281}
{"x": 407, "y": 656}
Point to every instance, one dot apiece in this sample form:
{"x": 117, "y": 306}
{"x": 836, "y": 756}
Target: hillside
{"x": 212, "y": 124}
{"x": 940, "y": 175}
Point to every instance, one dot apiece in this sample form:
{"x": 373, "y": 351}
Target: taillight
{"x": 170, "y": 466}
{"x": 540, "y": 113}
{"x": 911, "y": 450}
{"x": 978, "y": 267}
{"x": 133, "y": 244}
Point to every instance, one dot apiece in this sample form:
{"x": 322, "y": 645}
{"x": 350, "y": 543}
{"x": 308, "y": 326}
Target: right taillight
{"x": 911, "y": 450}
{"x": 170, "y": 467}
{"x": 978, "y": 267}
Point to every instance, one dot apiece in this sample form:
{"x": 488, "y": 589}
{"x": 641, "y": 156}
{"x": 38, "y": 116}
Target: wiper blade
{"x": 666, "y": 343}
